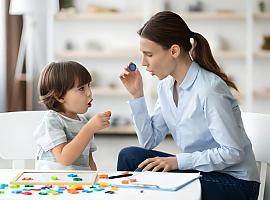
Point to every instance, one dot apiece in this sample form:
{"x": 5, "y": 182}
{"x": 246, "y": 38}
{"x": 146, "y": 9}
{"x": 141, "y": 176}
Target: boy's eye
{"x": 81, "y": 88}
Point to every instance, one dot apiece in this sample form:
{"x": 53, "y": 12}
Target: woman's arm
{"x": 150, "y": 130}
{"x": 221, "y": 114}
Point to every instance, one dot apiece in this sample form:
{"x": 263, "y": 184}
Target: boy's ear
{"x": 61, "y": 100}
{"x": 175, "y": 50}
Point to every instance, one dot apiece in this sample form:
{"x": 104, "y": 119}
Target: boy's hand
{"x": 99, "y": 121}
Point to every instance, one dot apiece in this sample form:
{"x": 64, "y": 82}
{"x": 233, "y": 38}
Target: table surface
{"x": 192, "y": 192}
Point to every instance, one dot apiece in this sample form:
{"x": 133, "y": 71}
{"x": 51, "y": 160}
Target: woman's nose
{"x": 144, "y": 62}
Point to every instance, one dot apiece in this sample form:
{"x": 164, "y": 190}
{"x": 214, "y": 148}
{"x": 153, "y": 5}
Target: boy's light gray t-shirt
{"x": 56, "y": 129}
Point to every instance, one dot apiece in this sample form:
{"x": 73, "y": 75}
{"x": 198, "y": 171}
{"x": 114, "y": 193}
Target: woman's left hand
{"x": 159, "y": 163}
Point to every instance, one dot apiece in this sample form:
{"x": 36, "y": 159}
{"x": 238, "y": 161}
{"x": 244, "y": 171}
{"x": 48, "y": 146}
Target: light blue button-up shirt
{"x": 206, "y": 125}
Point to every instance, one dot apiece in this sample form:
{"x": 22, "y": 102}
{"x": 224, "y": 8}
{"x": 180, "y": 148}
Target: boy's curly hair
{"x": 59, "y": 77}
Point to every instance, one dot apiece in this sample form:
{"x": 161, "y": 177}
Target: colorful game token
{"x": 132, "y": 67}
{"x": 103, "y": 176}
{"x": 108, "y": 113}
{"x": 26, "y": 193}
{"x": 125, "y": 181}
{"x": 27, "y": 179}
{"x": 114, "y": 188}
{"x": 14, "y": 186}
{"x": 54, "y": 178}
{"x": 43, "y": 193}
{"x": 77, "y": 179}
{"x": 72, "y": 175}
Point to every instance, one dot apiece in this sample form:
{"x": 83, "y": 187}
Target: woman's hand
{"x": 159, "y": 163}
{"x": 133, "y": 82}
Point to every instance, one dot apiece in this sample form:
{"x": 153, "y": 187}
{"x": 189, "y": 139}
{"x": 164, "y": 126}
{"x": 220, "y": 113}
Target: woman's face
{"x": 157, "y": 60}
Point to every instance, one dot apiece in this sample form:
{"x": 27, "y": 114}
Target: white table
{"x": 190, "y": 192}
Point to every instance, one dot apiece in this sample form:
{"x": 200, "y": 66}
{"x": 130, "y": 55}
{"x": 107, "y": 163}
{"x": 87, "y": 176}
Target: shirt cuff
{"x": 185, "y": 161}
{"x": 138, "y": 105}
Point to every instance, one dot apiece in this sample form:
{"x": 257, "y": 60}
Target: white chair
{"x": 257, "y": 127}
{"x": 17, "y": 141}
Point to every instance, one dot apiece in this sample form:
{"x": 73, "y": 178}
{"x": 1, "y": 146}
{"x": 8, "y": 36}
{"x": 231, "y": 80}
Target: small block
{"x": 114, "y": 188}
{"x": 87, "y": 191}
{"x": 26, "y": 193}
{"x": 54, "y": 178}
{"x": 99, "y": 189}
{"x": 77, "y": 179}
{"x": 44, "y": 188}
{"x": 125, "y": 181}
{"x": 16, "y": 191}
{"x": 26, "y": 189}
{"x": 43, "y": 193}
{"x": 29, "y": 185}
{"x": 72, "y": 175}
{"x": 54, "y": 193}
{"x": 35, "y": 189}
{"x": 2, "y": 192}
{"x": 124, "y": 173}
{"x": 14, "y": 186}
{"x": 72, "y": 191}
{"x": 109, "y": 192}
{"x": 104, "y": 184}
{"x": 141, "y": 191}
{"x": 132, "y": 180}
{"x": 27, "y": 179}
{"x": 108, "y": 113}
{"x": 132, "y": 67}
{"x": 103, "y": 176}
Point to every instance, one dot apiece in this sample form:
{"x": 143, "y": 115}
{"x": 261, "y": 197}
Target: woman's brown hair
{"x": 167, "y": 28}
{"x": 59, "y": 77}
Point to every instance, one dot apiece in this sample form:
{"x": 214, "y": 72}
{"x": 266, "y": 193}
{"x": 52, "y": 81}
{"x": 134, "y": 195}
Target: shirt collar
{"x": 190, "y": 77}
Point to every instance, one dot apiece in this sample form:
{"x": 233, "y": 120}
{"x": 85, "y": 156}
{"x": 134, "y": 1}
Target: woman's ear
{"x": 175, "y": 50}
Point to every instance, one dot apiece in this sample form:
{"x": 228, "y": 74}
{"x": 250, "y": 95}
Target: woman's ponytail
{"x": 201, "y": 53}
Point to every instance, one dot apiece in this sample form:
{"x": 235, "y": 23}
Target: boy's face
{"x": 77, "y": 100}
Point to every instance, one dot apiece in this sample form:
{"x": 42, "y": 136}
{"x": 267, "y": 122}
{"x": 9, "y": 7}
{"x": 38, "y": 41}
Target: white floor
{"x": 110, "y": 145}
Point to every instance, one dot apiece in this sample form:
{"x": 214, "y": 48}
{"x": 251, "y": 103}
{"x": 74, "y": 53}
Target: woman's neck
{"x": 182, "y": 66}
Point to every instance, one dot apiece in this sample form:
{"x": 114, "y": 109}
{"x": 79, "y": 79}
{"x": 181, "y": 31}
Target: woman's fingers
{"x": 146, "y": 162}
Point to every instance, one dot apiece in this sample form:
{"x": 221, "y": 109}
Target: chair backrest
{"x": 257, "y": 127}
{"x": 17, "y": 141}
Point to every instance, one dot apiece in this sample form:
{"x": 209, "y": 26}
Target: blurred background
{"x": 101, "y": 34}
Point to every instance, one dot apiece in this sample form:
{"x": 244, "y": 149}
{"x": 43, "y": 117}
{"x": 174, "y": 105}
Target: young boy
{"x": 65, "y": 137}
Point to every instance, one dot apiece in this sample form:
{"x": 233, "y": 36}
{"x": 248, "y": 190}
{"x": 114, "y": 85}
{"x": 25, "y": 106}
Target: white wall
{"x": 2, "y": 57}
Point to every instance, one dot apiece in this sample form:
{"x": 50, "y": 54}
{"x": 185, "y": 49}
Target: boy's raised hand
{"x": 100, "y": 121}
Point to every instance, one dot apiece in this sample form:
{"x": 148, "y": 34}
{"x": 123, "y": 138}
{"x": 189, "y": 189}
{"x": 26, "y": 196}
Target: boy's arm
{"x": 92, "y": 163}
{"x": 67, "y": 153}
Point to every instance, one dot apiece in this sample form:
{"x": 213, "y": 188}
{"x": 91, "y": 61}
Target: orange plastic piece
{"x": 27, "y": 179}
{"x": 125, "y": 173}
{"x": 104, "y": 185}
{"x": 114, "y": 188}
{"x": 72, "y": 191}
{"x": 132, "y": 180}
{"x": 103, "y": 176}
{"x": 108, "y": 113}
{"x": 125, "y": 181}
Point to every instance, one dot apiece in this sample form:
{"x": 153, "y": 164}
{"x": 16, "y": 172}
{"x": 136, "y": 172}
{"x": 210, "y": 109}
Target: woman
{"x": 196, "y": 106}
